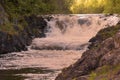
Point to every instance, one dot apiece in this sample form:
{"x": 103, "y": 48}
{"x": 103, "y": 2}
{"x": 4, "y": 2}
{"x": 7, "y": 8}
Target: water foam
{"x": 71, "y": 31}
{"x": 63, "y": 32}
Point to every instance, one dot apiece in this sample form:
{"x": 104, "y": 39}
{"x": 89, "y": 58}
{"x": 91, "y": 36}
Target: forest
{"x": 17, "y": 10}
{"x": 27, "y": 7}
{"x": 95, "y": 6}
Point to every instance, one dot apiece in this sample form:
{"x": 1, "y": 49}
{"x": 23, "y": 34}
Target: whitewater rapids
{"x": 66, "y": 39}
{"x": 72, "y": 32}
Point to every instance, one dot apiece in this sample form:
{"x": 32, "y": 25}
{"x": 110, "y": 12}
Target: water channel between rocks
{"x": 66, "y": 39}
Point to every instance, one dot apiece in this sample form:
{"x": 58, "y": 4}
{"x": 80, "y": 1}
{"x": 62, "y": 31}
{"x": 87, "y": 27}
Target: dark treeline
{"x": 27, "y": 7}
{"x": 17, "y": 10}
{"x": 14, "y": 11}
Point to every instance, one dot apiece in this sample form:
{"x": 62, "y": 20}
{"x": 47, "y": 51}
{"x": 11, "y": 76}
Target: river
{"x": 66, "y": 39}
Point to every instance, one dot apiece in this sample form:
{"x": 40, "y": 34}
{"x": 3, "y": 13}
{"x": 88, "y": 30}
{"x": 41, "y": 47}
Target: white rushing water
{"x": 71, "y": 31}
{"x": 66, "y": 39}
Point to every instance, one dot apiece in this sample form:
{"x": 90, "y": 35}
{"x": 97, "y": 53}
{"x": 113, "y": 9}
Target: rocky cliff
{"x": 17, "y": 35}
{"x": 101, "y": 61}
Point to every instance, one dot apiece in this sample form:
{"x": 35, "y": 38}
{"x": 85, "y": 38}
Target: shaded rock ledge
{"x": 14, "y": 43}
{"x": 104, "y": 51}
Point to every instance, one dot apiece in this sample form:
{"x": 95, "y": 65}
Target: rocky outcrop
{"x": 20, "y": 41}
{"x": 102, "y": 52}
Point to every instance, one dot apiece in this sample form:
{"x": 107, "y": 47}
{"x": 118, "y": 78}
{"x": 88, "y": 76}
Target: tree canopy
{"x": 27, "y": 7}
{"x": 95, "y": 6}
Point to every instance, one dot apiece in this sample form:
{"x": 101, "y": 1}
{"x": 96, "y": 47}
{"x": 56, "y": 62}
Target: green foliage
{"x": 87, "y": 6}
{"x": 17, "y": 9}
{"x": 112, "y": 6}
{"x": 8, "y": 28}
{"x": 27, "y": 7}
{"x": 12, "y": 74}
{"x": 108, "y": 32}
{"x": 105, "y": 72}
{"x": 95, "y": 6}
{"x": 74, "y": 79}
{"x": 102, "y": 35}
{"x": 92, "y": 76}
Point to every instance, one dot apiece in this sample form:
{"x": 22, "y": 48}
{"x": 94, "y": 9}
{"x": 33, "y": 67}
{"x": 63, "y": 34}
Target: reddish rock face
{"x": 107, "y": 53}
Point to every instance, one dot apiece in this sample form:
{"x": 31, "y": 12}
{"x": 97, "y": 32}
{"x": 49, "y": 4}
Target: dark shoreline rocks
{"x": 15, "y": 43}
{"x": 102, "y": 52}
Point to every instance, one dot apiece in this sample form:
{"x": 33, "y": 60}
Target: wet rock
{"x": 14, "y": 43}
{"x": 84, "y": 21}
{"x": 107, "y": 53}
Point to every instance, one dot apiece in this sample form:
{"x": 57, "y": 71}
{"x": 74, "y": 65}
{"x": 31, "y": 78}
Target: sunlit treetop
{"x": 95, "y": 6}
{"x": 28, "y": 7}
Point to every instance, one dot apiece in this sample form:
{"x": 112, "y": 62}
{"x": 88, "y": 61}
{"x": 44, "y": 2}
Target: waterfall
{"x": 66, "y": 39}
{"x": 72, "y": 32}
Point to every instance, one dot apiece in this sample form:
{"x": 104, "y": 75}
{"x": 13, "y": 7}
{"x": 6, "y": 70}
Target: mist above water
{"x": 72, "y": 32}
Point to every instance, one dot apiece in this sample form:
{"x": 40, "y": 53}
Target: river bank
{"x": 19, "y": 41}
{"x": 101, "y": 61}
{"x": 64, "y": 40}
